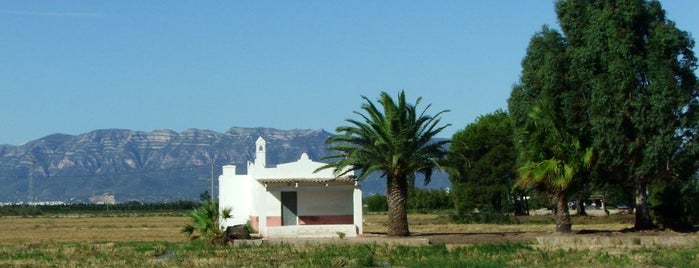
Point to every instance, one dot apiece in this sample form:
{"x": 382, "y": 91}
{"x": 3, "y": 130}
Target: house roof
{"x": 295, "y": 180}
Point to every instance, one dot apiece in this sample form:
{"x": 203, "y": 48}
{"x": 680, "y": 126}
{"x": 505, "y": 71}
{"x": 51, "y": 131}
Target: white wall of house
{"x": 358, "y": 209}
{"x": 317, "y": 203}
{"x": 313, "y": 231}
{"x": 237, "y": 195}
{"x": 304, "y": 167}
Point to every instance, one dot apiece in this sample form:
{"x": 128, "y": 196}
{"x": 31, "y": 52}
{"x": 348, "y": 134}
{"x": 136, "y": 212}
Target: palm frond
{"x": 205, "y": 221}
{"x": 389, "y": 137}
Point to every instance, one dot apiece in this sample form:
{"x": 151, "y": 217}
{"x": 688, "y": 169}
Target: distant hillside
{"x": 162, "y": 165}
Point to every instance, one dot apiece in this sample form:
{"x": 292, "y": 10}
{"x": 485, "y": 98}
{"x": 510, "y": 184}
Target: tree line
{"x": 128, "y": 207}
{"x": 608, "y": 103}
{"x": 421, "y": 201}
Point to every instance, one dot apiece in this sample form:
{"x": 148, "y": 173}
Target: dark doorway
{"x": 289, "y": 202}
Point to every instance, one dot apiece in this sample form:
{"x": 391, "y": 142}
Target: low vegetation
{"x": 420, "y": 201}
{"x": 177, "y": 207}
{"x": 205, "y": 223}
{"x": 197, "y": 254}
{"x": 139, "y": 240}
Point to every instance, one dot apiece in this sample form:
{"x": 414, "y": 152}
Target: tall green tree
{"x": 639, "y": 70}
{"x": 551, "y": 159}
{"x": 396, "y": 140}
{"x": 482, "y": 162}
{"x": 551, "y": 134}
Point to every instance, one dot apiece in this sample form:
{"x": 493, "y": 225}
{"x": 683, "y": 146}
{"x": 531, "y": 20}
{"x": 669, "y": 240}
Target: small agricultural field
{"x": 138, "y": 240}
{"x": 88, "y": 228}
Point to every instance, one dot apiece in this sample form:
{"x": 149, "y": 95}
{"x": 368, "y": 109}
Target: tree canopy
{"x": 620, "y": 79}
{"x": 482, "y": 158}
{"x": 639, "y": 70}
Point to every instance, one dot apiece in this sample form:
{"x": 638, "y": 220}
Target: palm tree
{"x": 206, "y": 223}
{"x": 551, "y": 160}
{"x": 395, "y": 141}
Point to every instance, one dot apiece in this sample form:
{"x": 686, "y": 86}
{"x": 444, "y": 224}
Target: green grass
{"x": 197, "y": 254}
{"x": 678, "y": 257}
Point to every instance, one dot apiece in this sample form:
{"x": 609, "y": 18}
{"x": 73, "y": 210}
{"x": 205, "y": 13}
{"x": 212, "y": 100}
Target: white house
{"x": 291, "y": 200}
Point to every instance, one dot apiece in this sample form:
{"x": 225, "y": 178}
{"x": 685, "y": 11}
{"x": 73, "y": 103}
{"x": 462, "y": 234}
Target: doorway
{"x": 289, "y": 208}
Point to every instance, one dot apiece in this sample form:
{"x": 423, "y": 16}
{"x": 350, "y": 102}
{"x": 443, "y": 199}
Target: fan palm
{"x": 394, "y": 140}
{"x": 551, "y": 160}
{"x": 206, "y": 223}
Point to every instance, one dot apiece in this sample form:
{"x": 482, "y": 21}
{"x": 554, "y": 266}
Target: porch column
{"x": 262, "y": 213}
{"x": 357, "y": 200}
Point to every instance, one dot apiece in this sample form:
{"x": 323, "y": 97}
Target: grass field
{"x": 434, "y": 223}
{"x": 136, "y": 240}
{"x": 86, "y": 228}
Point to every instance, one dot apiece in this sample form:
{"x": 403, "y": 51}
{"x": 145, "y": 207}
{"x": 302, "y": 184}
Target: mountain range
{"x": 157, "y": 166}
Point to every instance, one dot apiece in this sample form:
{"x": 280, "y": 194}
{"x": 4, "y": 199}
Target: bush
{"x": 20, "y": 210}
{"x": 676, "y": 205}
{"x": 423, "y": 200}
{"x": 129, "y": 207}
{"x": 248, "y": 225}
{"x": 376, "y": 203}
{"x": 206, "y": 223}
{"x": 420, "y": 200}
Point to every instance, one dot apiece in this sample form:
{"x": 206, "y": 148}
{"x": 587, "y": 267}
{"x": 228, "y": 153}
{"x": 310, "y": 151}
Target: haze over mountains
{"x": 161, "y": 165}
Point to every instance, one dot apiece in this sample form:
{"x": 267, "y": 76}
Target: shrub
{"x": 675, "y": 205}
{"x": 423, "y": 200}
{"x": 420, "y": 200}
{"x": 205, "y": 223}
{"x": 376, "y": 203}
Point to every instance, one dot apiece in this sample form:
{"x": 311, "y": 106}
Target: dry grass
{"x": 92, "y": 229}
{"x": 434, "y": 223}
{"x": 155, "y": 241}
{"x": 128, "y": 228}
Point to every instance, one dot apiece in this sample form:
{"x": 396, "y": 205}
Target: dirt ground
{"x": 481, "y": 238}
{"x": 531, "y": 237}
{"x": 437, "y": 230}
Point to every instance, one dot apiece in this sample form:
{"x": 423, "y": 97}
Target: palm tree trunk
{"x": 643, "y": 220}
{"x": 397, "y": 206}
{"x": 563, "y": 223}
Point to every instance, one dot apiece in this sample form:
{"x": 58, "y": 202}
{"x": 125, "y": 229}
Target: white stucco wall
{"x": 313, "y": 231}
{"x": 358, "y": 210}
{"x": 304, "y": 167}
{"x": 270, "y": 204}
{"x": 234, "y": 193}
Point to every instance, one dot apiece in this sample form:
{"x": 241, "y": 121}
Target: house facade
{"x": 291, "y": 200}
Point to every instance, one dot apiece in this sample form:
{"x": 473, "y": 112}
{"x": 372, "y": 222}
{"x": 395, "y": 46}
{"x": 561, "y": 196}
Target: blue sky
{"x": 75, "y": 66}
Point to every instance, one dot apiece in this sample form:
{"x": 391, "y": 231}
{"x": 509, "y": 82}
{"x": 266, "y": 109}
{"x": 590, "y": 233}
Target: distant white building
{"x": 106, "y": 198}
{"x": 291, "y": 200}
